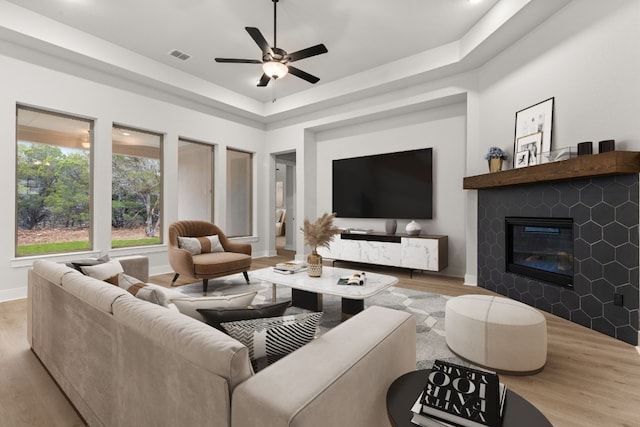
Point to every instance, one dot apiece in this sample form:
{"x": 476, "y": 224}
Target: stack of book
{"x": 290, "y": 267}
{"x": 456, "y": 395}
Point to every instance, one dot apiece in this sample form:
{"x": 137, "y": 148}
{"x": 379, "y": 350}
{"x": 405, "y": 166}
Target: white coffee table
{"x": 306, "y": 292}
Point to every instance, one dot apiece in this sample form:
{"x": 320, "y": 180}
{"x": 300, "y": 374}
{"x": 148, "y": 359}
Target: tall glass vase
{"x": 314, "y": 264}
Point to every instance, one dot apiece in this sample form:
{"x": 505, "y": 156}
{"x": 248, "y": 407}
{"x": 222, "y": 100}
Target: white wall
{"x": 587, "y": 56}
{"x": 443, "y": 129}
{"x": 29, "y": 84}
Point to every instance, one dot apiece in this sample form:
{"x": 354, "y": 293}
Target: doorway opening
{"x": 285, "y": 220}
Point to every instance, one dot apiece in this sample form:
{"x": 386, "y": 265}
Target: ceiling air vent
{"x": 180, "y": 55}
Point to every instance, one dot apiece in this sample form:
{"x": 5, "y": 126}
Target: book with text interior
{"x": 462, "y": 395}
{"x": 420, "y": 419}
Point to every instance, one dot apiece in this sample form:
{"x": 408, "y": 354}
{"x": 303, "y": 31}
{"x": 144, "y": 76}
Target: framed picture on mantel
{"x": 531, "y": 144}
{"x": 533, "y": 120}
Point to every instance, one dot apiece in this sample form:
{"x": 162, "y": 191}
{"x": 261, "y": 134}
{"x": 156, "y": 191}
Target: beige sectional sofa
{"x": 126, "y": 362}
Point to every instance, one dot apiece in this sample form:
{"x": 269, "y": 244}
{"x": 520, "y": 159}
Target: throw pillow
{"x": 77, "y": 265}
{"x": 201, "y": 245}
{"x": 104, "y": 271}
{"x": 215, "y": 316}
{"x": 189, "y": 306}
{"x": 269, "y": 340}
{"x": 141, "y": 290}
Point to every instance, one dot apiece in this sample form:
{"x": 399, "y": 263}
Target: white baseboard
{"x": 471, "y": 280}
{"x": 13, "y": 294}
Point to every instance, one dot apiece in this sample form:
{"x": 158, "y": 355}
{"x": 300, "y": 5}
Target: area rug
{"x": 427, "y": 308}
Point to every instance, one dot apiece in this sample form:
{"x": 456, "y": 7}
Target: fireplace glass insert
{"x": 540, "y": 248}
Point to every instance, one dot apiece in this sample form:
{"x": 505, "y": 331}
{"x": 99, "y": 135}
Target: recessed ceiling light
{"x": 474, "y": 1}
{"x": 126, "y": 133}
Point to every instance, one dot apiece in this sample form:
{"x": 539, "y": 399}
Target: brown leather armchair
{"x": 236, "y": 257}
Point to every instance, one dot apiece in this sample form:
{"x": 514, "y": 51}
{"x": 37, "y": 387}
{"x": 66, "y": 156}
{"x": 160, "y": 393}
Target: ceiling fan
{"x": 275, "y": 61}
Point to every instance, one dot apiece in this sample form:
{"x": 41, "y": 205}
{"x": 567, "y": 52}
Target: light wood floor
{"x": 590, "y": 379}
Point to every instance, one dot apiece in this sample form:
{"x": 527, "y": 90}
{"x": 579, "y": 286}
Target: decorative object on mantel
{"x": 606, "y": 145}
{"x": 533, "y": 144}
{"x": 521, "y": 159}
{"x": 495, "y": 156}
{"x": 585, "y": 148}
{"x": 318, "y": 234}
{"x": 390, "y": 226}
{"x": 532, "y": 120}
{"x": 565, "y": 153}
{"x": 413, "y": 228}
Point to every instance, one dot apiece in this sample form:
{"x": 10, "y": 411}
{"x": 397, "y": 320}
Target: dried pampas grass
{"x": 320, "y": 233}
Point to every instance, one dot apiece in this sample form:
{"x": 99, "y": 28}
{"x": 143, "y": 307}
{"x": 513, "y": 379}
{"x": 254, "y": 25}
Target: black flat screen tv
{"x": 392, "y": 186}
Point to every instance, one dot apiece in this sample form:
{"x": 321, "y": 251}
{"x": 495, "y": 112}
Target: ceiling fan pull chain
{"x": 275, "y": 83}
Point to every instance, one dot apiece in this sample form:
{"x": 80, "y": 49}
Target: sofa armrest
{"x": 341, "y": 378}
{"x": 136, "y": 266}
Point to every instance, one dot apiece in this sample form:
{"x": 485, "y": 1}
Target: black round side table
{"x": 404, "y": 391}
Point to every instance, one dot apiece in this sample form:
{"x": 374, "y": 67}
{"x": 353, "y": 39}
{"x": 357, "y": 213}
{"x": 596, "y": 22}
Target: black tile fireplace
{"x": 599, "y": 289}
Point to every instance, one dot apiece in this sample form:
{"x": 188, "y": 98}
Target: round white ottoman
{"x": 497, "y": 333}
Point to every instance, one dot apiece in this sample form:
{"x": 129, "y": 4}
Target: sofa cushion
{"x": 189, "y": 305}
{"x": 201, "y": 245}
{"x": 174, "y": 334}
{"x": 53, "y": 271}
{"x": 215, "y": 316}
{"x": 96, "y": 292}
{"x": 269, "y": 340}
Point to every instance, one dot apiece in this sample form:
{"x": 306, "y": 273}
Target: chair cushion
{"x": 201, "y": 245}
{"x": 220, "y": 263}
{"x": 269, "y": 340}
{"x": 215, "y": 316}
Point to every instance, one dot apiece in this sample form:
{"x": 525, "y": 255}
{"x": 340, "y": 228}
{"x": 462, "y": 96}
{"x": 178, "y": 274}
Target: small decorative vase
{"x": 495, "y": 164}
{"x": 390, "y": 226}
{"x": 314, "y": 264}
{"x": 413, "y": 228}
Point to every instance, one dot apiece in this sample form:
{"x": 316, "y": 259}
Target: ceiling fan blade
{"x": 257, "y": 37}
{"x": 306, "y": 53}
{"x": 303, "y": 75}
{"x": 239, "y": 61}
{"x": 264, "y": 80}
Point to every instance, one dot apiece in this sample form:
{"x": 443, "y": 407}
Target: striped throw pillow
{"x": 201, "y": 245}
{"x": 269, "y": 340}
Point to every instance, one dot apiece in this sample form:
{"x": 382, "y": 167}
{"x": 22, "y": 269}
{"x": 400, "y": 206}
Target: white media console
{"x": 422, "y": 252}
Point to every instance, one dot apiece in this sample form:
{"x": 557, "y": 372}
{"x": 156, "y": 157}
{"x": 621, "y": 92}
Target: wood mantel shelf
{"x": 587, "y": 166}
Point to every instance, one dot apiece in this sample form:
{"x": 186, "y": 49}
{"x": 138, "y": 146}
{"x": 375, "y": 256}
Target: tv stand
{"x": 422, "y": 252}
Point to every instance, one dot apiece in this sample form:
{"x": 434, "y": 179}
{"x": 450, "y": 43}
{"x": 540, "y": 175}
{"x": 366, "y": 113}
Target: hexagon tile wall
{"x": 606, "y": 215}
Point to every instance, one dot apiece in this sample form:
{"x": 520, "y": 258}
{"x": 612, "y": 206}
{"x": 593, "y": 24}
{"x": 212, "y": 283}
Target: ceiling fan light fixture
{"x": 275, "y": 69}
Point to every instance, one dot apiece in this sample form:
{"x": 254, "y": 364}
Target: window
{"x": 136, "y": 187}
{"x": 239, "y": 193}
{"x": 195, "y": 180}
{"x": 53, "y": 187}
